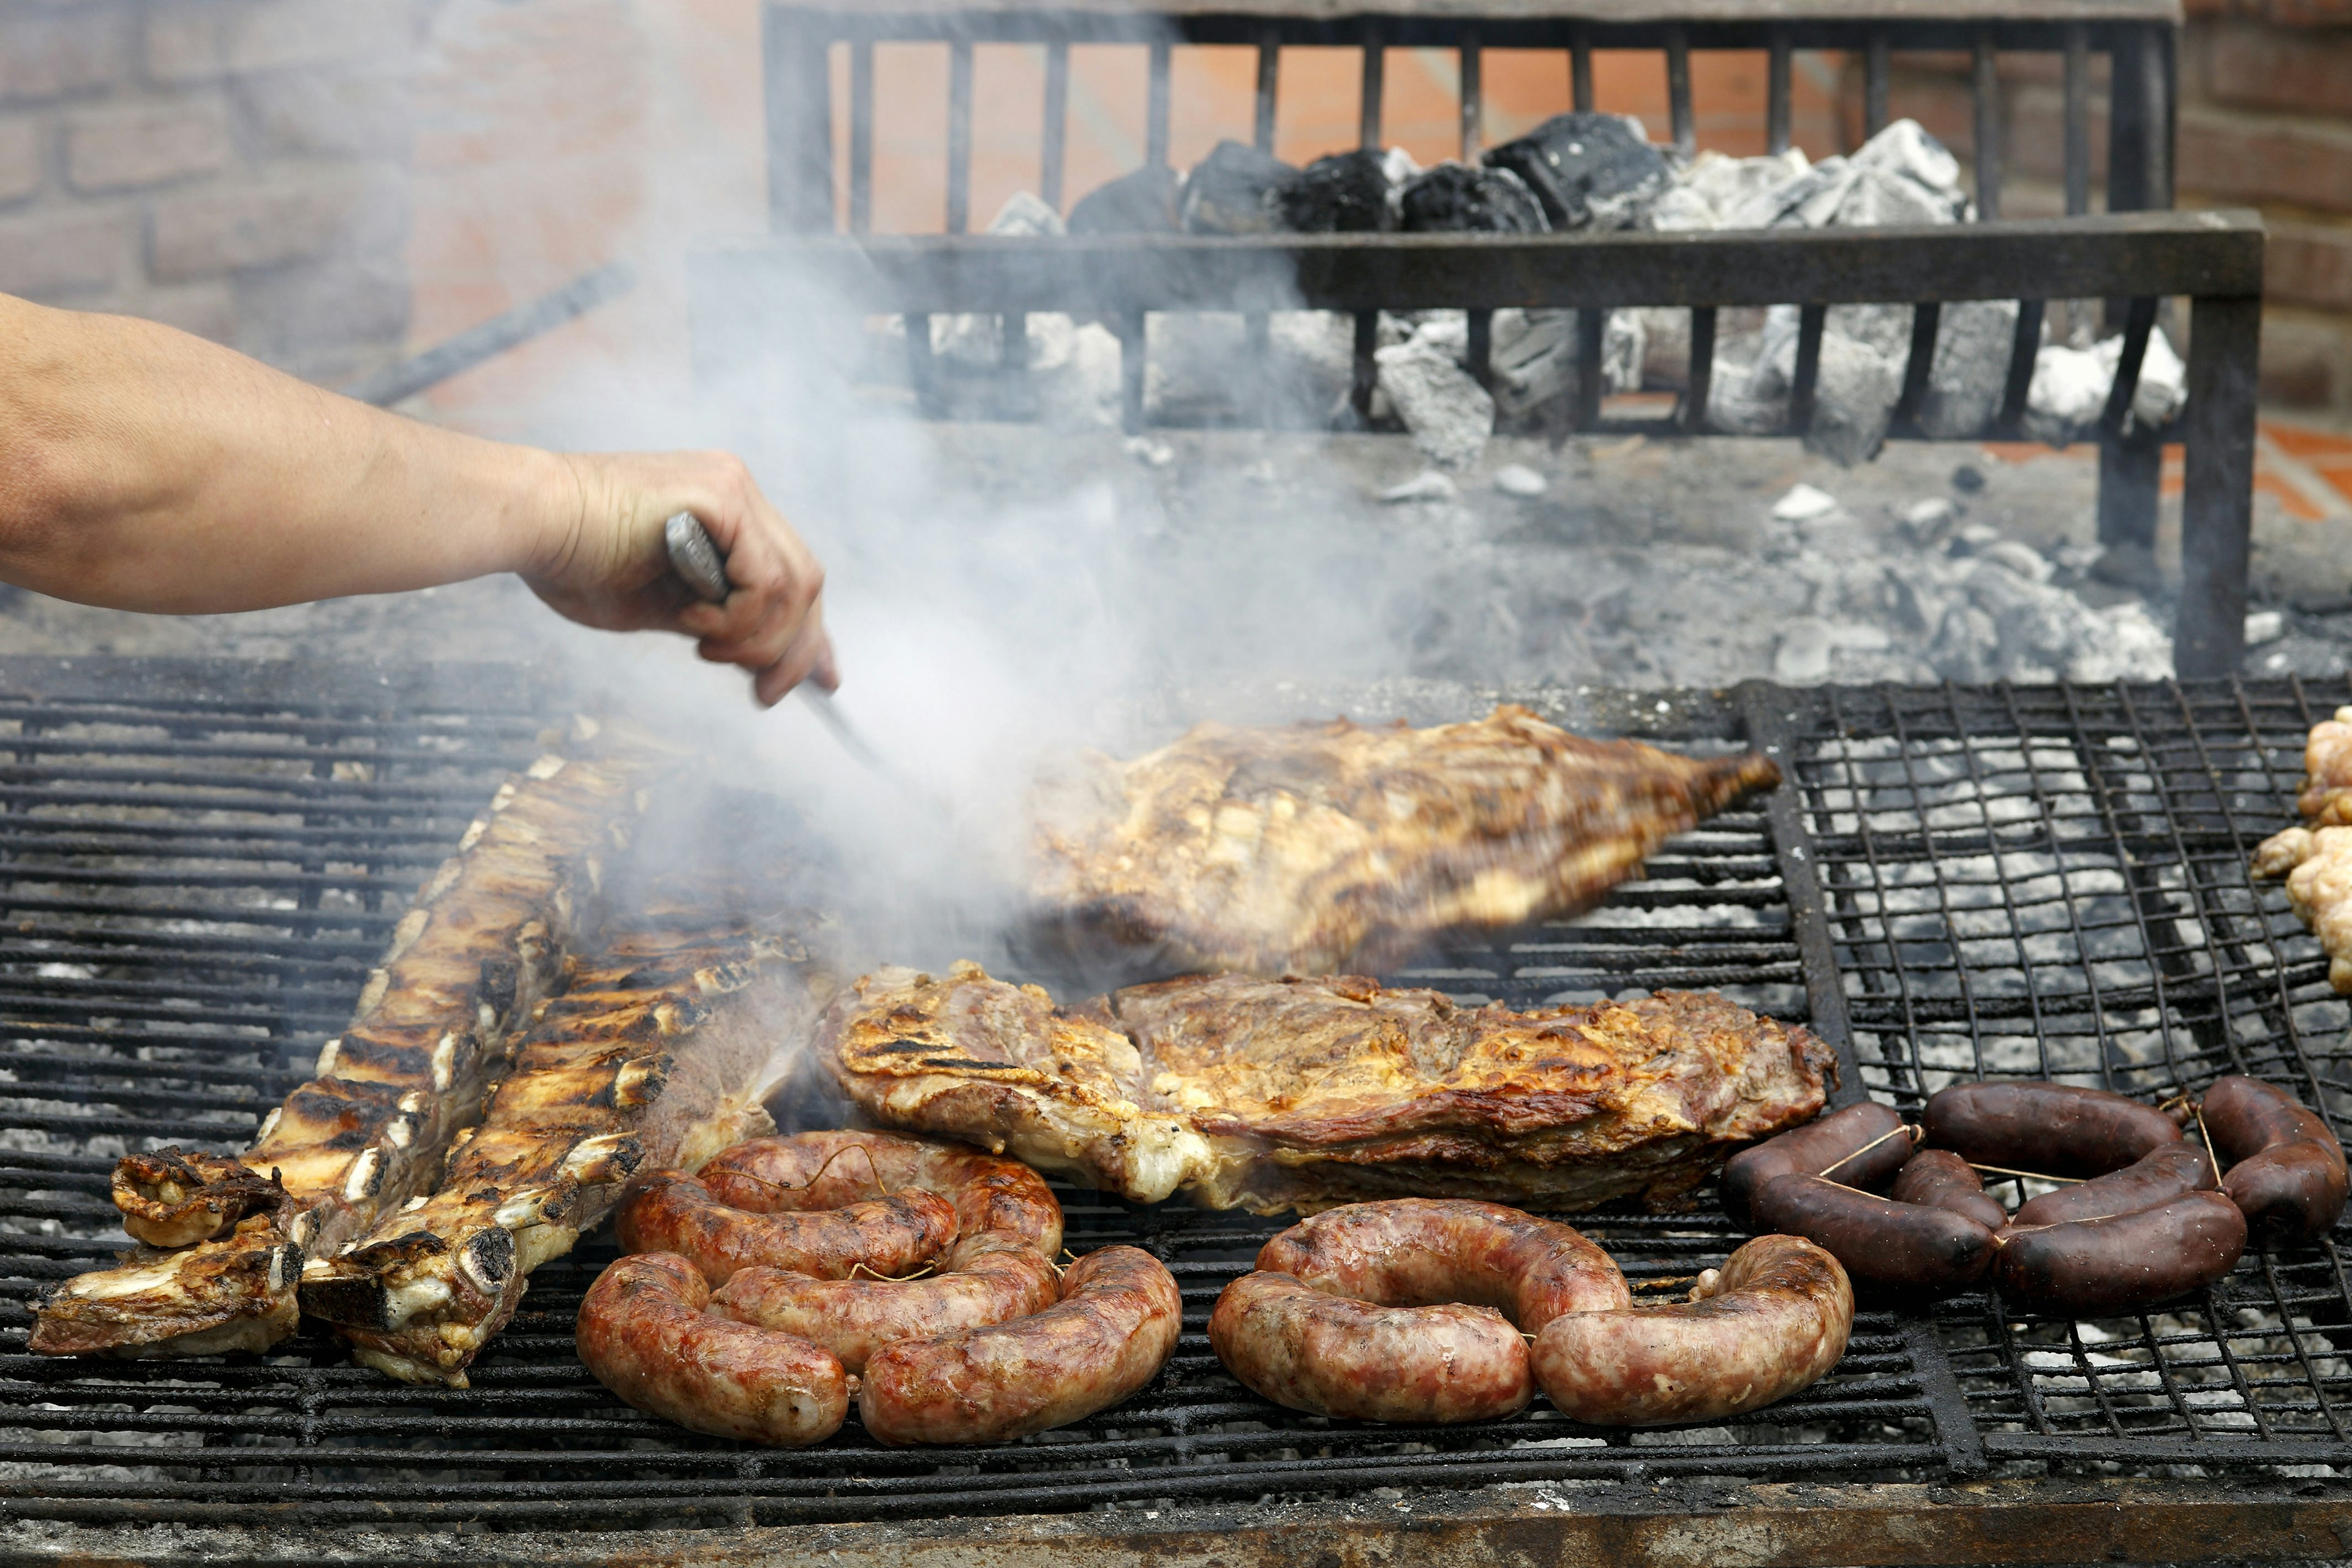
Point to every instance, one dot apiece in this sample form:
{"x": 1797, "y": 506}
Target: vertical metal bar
{"x": 2163, "y": 73}
{"x": 1053, "y": 147}
{"x": 2021, "y": 351}
{"x": 1776, "y": 94}
{"x": 1133, "y": 346}
{"x": 1155, "y": 119}
{"x": 1468, "y": 51}
{"x": 1924, "y": 319}
{"x": 922, "y": 370}
{"x": 2217, "y": 497}
{"x": 1589, "y": 333}
{"x": 1699, "y": 383}
{"x": 861, "y": 135}
{"x": 2129, "y": 115}
{"x": 1366, "y": 369}
{"x": 2131, "y": 470}
{"x": 1771, "y": 715}
{"x": 1874, "y": 71}
{"x": 959, "y": 135}
{"x": 1478, "y": 355}
{"x": 2137, "y": 324}
{"x": 1678, "y": 90}
{"x": 799, "y": 105}
{"x": 1269, "y": 75}
{"x": 1579, "y": 68}
{"x": 1810, "y": 320}
{"x": 1987, "y": 128}
{"x": 2078, "y": 120}
{"x": 1375, "y": 68}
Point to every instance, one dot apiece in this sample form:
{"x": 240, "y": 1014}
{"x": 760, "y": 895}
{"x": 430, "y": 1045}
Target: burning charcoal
{"x": 1974, "y": 338}
{"x": 1733, "y": 188}
{"x": 2068, "y": 393}
{"x": 1453, "y": 198}
{"x": 1534, "y": 356}
{"x": 1906, "y": 150}
{"x": 1141, "y": 203}
{"x": 1854, "y": 390}
{"x": 1449, "y": 414}
{"x": 1518, "y": 479}
{"x": 1025, "y": 215}
{"x": 1588, "y": 170}
{"x": 1345, "y": 192}
{"x": 1236, "y": 189}
{"x": 1876, "y": 198}
{"x": 1680, "y": 210}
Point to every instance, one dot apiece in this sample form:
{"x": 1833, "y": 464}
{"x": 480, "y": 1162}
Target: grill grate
{"x": 197, "y": 875}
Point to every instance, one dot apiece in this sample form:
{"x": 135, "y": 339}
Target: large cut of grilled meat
{"x": 467, "y": 962}
{"x": 1271, "y": 1094}
{"x": 657, "y": 1053}
{"x": 1306, "y": 850}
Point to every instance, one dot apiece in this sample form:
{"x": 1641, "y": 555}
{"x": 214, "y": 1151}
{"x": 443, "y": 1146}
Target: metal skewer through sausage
{"x": 1861, "y": 1146}
{"x": 642, "y": 1331}
{"x": 2124, "y": 1262}
{"x": 1775, "y": 1320}
{"x": 2286, "y": 1170}
{"x": 991, "y": 1277}
{"x": 1409, "y": 1310}
{"x": 1907, "y": 1245}
{"x": 2154, "y": 1178}
{"x": 831, "y": 1170}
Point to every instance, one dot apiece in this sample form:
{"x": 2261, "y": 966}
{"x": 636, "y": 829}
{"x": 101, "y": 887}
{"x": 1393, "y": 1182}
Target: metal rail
{"x": 2215, "y": 259}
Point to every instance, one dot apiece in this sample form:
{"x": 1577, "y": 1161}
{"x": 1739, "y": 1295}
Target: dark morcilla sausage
{"x": 2123, "y": 1263}
{"x": 1834, "y": 1147}
{"x": 1941, "y": 1179}
{"x": 2286, "y": 1171}
{"x": 2049, "y": 1127}
{"x": 1907, "y": 1245}
{"x": 2157, "y": 1177}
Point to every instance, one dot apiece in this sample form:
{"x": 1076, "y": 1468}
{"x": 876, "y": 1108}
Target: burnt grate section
{"x": 2052, "y": 881}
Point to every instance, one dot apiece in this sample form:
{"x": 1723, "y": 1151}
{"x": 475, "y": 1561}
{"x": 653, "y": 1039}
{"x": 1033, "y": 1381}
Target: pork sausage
{"x": 669, "y": 1211}
{"x": 1907, "y": 1245}
{"x": 1313, "y": 1350}
{"x": 2050, "y": 1126}
{"x": 2124, "y": 1262}
{"x": 832, "y": 1170}
{"x": 1775, "y": 1320}
{"x": 1417, "y": 1252}
{"x": 1113, "y": 1329}
{"x": 642, "y": 1331}
{"x": 1833, "y": 1146}
{"x": 1941, "y": 1179}
{"x": 989, "y": 1278}
{"x": 2157, "y": 1177}
{"x": 2286, "y": 1170}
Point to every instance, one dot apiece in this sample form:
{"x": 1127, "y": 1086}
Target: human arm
{"x": 142, "y": 468}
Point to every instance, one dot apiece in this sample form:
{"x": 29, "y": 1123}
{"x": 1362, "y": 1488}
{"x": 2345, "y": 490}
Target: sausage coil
{"x": 669, "y": 1211}
{"x": 2286, "y": 1171}
{"x": 832, "y": 1170}
{"x": 642, "y": 1331}
{"x": 1902, "y": 1243}
{"x": 1861, "y": 1146}
{"x": 2157, "y": 1177}
{"x": 2050, "y": 1126}
{"x": 1937, "y": 1178}
{"x": 989, "y": 1278}
{"x": 1774, "y": 1322}
{"x": 2123, "y": 1262}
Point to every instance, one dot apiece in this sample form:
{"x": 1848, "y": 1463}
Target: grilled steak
{"x": 1269, "y": 1095}
{"x": 467, "y": 962}
{"x": 1306, "y": 850}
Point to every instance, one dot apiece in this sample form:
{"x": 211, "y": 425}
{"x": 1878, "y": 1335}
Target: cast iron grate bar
{"x": 1972, "y": 909}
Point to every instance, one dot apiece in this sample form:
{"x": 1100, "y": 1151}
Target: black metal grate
{"x": 194, "y": 885}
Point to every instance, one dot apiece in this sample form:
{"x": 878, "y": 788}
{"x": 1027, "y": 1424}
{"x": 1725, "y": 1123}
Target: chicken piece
{"x": 473, "y": 955}
{"x": 1269, "y": 1095}
{"x": 2316, "y": 858}
{"x": 1312, "y": 847}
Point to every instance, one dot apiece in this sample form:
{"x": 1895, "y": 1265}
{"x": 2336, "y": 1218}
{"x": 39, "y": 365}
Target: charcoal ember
{"x": 1974, "y": 338}
{"x": 1854, "y": 390}
{"x": 1739, "y": 192}
{"x": 1906, "y": 149}
{"x": 1141, "y": 203}
{"x": 1588, "y": 170}
{"x": 1449, "y": 414}
{"x": 1455, "y": 198}
{"x": 1236, "y": 189}
{"x": 1533, "y": 354}
{"x": 1344, "y": 193}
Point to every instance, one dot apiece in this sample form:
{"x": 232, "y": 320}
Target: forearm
{"x": 142, "y": 468}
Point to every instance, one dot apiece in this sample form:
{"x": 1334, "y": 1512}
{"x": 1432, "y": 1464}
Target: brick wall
{"x": 235, "y": 167}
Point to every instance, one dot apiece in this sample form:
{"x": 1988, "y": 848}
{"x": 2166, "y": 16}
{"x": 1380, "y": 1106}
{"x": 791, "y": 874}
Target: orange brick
{"x": 2263, "y": 66}
{"x": 2234, "y": 156}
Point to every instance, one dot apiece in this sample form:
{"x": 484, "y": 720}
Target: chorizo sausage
{"x": 991, "y": 1277}
{"x": 1859, "y": 1146}
{"x": 1113, "y": 1329}
{"x": 1941, "y": 1179}
{"x": 2157, "y": 1177}
{"x": 2124, "y": 1262}
{"x": 642, "y": 1331}
{"x": 1332, "y": 1355}
{"x": 1907, "y": 1245}
{"x": 1417, "y": 1252}
{"x": 1775, "y": 1320}
{"x": 832, "y": 1170}
{"x": 2286, "y": 1170}
{"x": 2053, "y": 1127}
{"x": 669, "y": 1211}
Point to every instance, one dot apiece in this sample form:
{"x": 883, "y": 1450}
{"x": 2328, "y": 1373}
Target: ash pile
{"x": 1576, "y": 173}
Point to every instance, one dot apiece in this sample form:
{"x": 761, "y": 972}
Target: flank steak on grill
{"x": 1312, "y": 848}
{"x": 1274, "y": 1094}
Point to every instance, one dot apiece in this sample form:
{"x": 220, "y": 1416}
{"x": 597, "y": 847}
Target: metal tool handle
{"x": 695, "y": 558}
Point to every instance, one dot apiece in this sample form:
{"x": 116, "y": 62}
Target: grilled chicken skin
{"x": 1269, "y": 1095}
{"x": 473, "y": 955}
{"x": 1310, "y": 848}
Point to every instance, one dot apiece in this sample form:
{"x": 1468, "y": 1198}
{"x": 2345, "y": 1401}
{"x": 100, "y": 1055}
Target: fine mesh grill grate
{"x": 198, "y": 875}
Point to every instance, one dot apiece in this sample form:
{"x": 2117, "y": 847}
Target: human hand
{"x": 604, "y": 562}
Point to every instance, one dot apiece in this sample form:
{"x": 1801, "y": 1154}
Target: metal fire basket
{"x": 201, "y": 861}
{"x": 2132, "y": 263}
